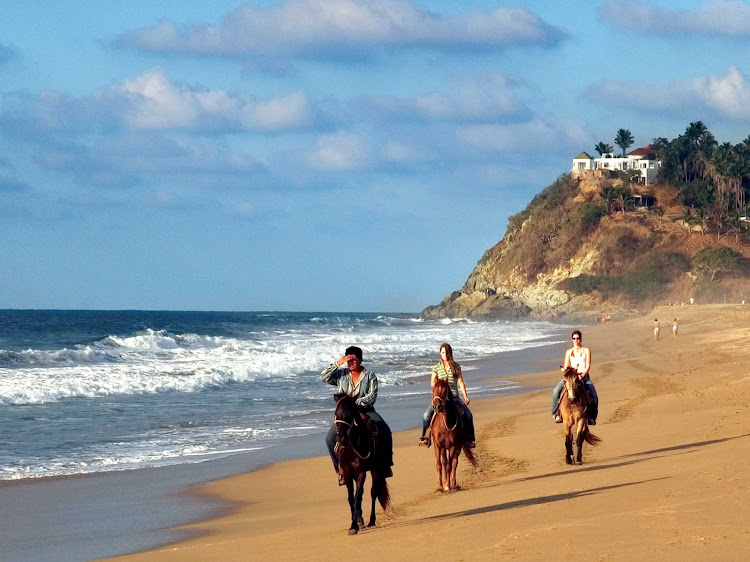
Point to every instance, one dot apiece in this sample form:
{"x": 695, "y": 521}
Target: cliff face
{"x": 568, "y": 231}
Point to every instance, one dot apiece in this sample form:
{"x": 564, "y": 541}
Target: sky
{"x": 320, "y": 155}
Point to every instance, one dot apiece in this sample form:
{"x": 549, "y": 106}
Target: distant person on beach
{"x": 449, "y": 370}
{"x": 362, "y": 385}
{"x": 579, "y": 358}
{"x": 674, "y": 328}
{"x": 657, "y": 329}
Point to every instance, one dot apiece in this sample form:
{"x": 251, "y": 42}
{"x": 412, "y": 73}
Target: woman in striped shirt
{"x": 450, "y": 371}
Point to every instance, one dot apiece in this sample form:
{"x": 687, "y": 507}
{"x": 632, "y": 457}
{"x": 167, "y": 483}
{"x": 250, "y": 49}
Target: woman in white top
{"x": 579, "y": 358}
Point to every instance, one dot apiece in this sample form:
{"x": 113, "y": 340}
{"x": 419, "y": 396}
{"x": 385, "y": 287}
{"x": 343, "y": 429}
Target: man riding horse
{"x": 362, "y": 385}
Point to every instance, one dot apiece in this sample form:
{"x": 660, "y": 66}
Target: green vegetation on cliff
{"x": 583, "y": 245}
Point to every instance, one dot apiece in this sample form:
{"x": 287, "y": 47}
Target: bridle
{"x": 350, "y": 427}
{"x": 441, "y": 408}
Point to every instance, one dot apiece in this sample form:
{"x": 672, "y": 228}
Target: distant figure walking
{"x": 674, "y": 328}
{"x": 657, "y": 328}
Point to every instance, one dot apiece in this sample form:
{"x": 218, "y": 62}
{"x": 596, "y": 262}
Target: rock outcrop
{"x": 568, "y": 231}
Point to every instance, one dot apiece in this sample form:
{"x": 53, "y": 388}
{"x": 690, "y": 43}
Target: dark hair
{"x": 354, "y": 350}
{"x": 449, "y": 353}
{"x": 577, "y": 333}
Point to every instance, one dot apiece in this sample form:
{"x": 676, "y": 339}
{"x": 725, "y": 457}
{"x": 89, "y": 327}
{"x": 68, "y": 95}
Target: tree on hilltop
{"x": 719, "y": 259}
{"x": 603, "y": 148}
{"x": 624, "y": 139}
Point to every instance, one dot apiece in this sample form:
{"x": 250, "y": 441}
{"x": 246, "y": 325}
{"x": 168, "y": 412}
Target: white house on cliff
{"x": 642, "y": 159}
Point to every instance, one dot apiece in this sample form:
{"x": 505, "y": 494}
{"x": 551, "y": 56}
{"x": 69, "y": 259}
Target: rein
{"x": 350, "y": 426}
{"x": 445, "y": 416}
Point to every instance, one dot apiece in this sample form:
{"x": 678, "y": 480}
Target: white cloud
{"x": 338, "y": 151}
{"x": 726, "y": 95}
{"x": 399, "y": 153}
{"x": 721, "y": 17}
{"x": 549, "y": 134}
{"x": 156, "y": 102}
{"x": 152, "y": 101}
{"x": 481, "y": 97}
{"x": 324, "y": 26}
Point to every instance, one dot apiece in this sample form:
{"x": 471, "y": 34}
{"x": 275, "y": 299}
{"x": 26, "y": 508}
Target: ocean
{"x": 98, "y": 391}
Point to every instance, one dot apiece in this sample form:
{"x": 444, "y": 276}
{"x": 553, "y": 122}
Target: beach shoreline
{"x": 162, "y": 502}
{"x": 659, "y": 413}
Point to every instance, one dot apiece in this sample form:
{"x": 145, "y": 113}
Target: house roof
{"x": 643, "y": 151}
{"x": 582, "y": 156}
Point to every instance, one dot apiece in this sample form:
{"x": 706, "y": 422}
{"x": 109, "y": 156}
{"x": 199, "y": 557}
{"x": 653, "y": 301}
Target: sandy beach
{"x": 669, "y": 480}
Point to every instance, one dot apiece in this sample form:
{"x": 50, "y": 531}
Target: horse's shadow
{"x": 682, "y": 449}
{"x": 530, "y": 501}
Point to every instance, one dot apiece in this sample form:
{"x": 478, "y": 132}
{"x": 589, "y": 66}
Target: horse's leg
{"x": 581, "y": 428}
{"x": 438, "y": 463}
{"x": 354, "y": 529}
{"x": 568, "y": 441}
{"x": 377, "y": 483}
{"x": 361, "y": 478}
{"x": 455, "y": 453}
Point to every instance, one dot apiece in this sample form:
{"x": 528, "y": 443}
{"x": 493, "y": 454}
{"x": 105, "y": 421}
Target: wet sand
{"x": 669, "y": 481}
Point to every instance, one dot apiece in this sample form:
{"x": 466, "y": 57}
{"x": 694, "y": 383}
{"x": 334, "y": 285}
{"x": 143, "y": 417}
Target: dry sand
{"x": 669, "y": 481}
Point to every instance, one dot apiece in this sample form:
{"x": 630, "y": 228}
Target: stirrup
{"x": 591, "y": 421}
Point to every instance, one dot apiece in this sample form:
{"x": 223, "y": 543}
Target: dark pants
{"x": 384, "y": 441}
{"x": 468, "y": 419}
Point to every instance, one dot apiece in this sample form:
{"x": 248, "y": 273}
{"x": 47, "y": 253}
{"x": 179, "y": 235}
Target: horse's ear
{"x": 337, "y": 396}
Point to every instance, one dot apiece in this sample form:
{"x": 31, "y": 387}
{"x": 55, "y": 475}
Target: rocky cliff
{"x": 572, "y": 252}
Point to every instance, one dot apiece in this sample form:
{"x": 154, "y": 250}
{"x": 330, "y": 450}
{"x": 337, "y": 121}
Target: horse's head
{"x": 573, "y": 384}
{"x": 346, "y": 417}
{"x": 441, "y": 395}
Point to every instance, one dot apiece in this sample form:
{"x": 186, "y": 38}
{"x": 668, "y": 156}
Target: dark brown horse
{"x": 358, "y": 453}
{"x": 574, "y": 401}
{"x": 447, "y": 436}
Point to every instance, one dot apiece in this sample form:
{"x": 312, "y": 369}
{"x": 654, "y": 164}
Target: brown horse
{"x": 358, "y": 453}
{"x": 447, "y": 436}
{"x": 574, "y": 402}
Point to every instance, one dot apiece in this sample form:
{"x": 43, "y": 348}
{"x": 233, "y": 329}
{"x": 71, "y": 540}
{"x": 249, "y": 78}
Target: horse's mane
{"x": 442, "y": 387}
{"x": 345, "y": 405}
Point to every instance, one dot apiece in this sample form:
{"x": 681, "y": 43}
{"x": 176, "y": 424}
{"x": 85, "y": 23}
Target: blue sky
{"x": 343, "y": 155}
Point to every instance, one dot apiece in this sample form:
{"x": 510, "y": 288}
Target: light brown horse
{"x": 447, "y": 436}
{"x": 574, "y": 401}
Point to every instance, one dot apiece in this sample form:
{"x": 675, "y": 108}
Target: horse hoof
{"x": 568, "y": 461}
{"x": 361, "y": 523}
{"x": 371, "y": 524}
{"x": 353, "y": 531}
{"x": 579, "y": 462}
{"x": 446, "y": 489}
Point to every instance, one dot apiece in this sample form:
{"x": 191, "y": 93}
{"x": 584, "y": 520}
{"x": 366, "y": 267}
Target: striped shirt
{"x": 439, "y": 371}
{"x": 365, "y": 392}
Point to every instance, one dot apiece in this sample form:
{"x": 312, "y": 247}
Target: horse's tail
{"x": 382, "y": 493}
{"x": 590, "y": 438}
{"x": 469, "y": 454}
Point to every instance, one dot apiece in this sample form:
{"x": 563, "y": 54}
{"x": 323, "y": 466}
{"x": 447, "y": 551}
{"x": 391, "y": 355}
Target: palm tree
{"x": 688, "y": 219}
{"x": 609, "y": 194}
{"x": 603, "y": 148}
{"x": 623, "y": 139}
